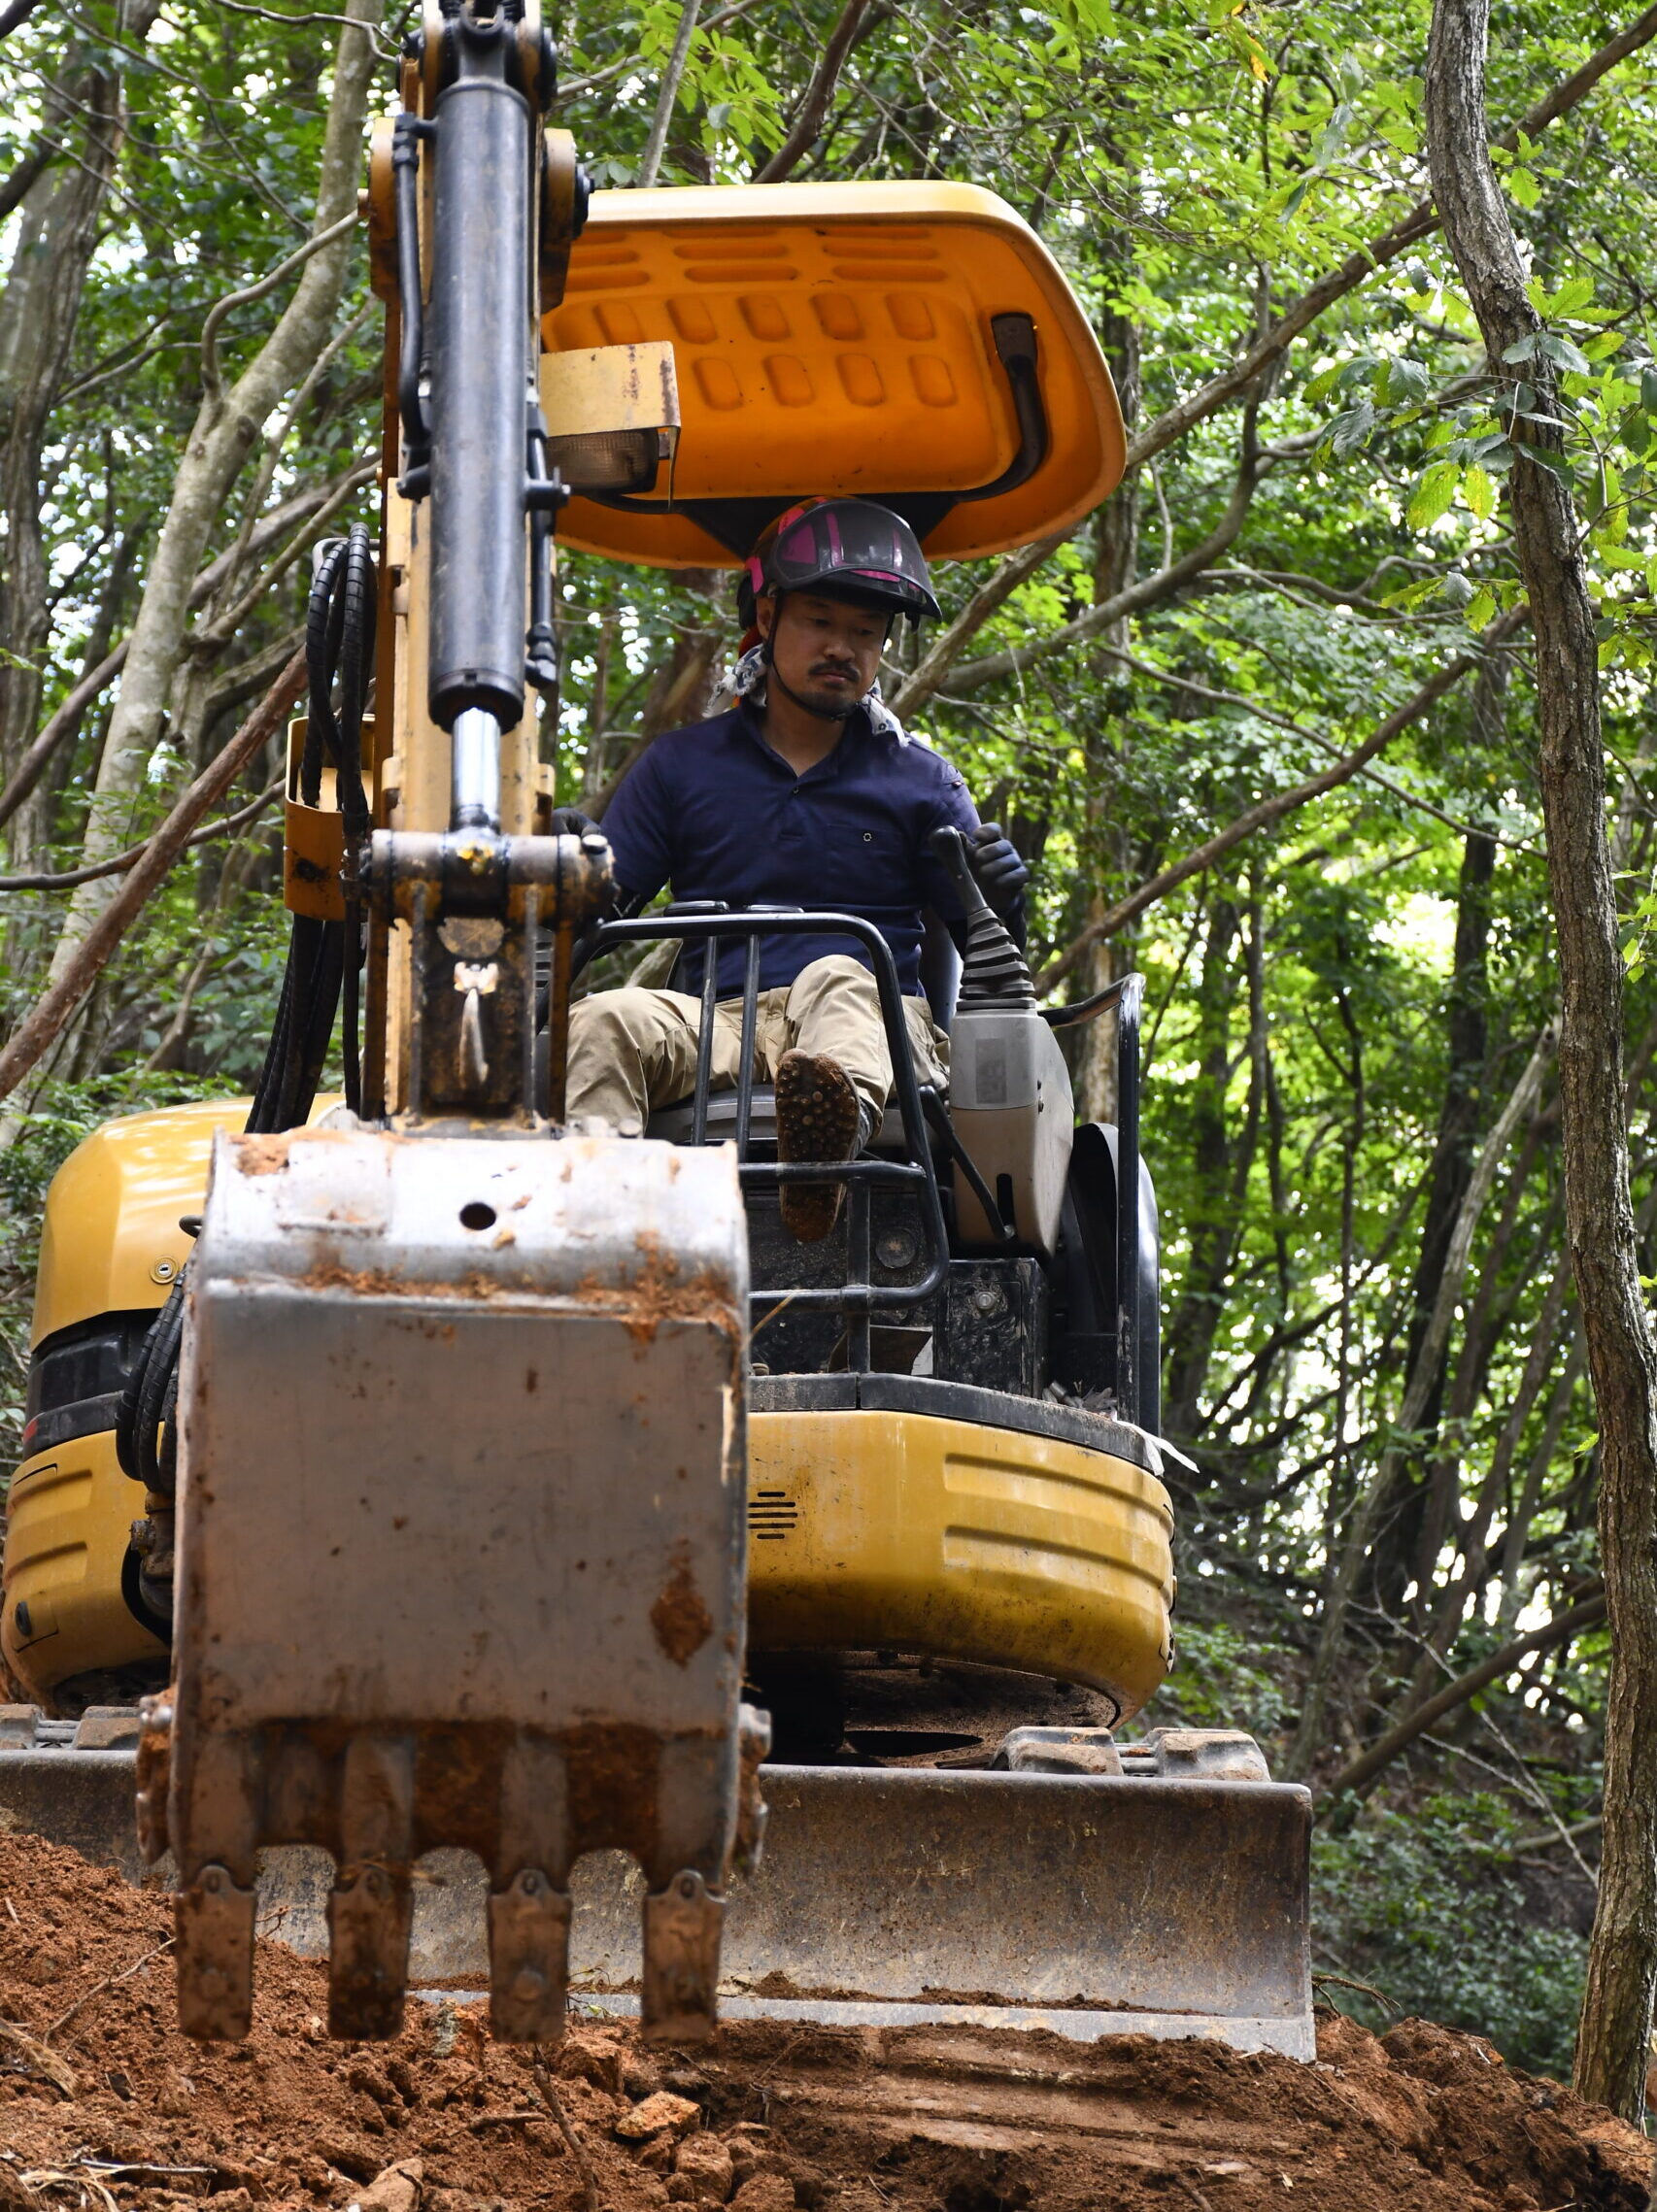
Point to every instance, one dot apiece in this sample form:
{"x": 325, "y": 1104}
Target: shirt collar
{"x": 857, "y": 727}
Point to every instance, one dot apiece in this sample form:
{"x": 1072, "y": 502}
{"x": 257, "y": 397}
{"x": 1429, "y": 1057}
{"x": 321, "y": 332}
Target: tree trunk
{"x": 1116, "y": 561}
{"x": 1599, "y": 1227}
{"x": 1410, "y": 1529}
{"x": 1365, "y": 1514}
{"x": 1211, "y": 1225}
{"x": 227, "y": 430}
{"x": 57, "y": 237}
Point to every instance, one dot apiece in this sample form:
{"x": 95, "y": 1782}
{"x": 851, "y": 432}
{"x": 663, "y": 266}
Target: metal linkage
{"x": 857, "y": 1297}
{"x": 1128, "y": 1286}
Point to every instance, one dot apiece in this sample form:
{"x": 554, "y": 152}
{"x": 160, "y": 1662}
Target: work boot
{"x": 819, "y": 1116}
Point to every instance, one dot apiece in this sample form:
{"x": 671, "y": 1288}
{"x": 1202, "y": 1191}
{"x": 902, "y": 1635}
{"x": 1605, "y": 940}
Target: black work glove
{"x": 570, "y": 821}
{"x": 993, "y": 860}
{"x": 1001, "y": 875}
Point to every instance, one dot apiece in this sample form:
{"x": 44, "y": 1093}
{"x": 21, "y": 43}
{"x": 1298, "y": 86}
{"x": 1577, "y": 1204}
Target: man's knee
{"x": 606, "y": 1019}
{"x": 835, "y": 973}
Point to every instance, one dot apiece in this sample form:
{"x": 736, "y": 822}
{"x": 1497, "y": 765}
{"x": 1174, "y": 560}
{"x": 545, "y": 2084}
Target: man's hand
{"x": 570, "y": 821}
{"x": 993, "y": 860}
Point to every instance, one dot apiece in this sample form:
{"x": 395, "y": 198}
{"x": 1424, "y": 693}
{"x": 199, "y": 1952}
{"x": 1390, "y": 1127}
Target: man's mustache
{"x": 834, "y": 668}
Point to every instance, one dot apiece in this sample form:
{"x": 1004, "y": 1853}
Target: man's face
{"x": 826, "y": 651}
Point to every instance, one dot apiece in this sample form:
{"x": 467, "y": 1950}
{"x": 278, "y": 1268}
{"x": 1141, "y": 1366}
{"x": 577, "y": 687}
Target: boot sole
{"x": 817, "y": 1118}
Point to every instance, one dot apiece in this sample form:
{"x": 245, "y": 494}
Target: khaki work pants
{"x": 631, "y": 1051}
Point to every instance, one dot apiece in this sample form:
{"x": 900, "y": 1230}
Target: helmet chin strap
{"x": 822, "y": 714}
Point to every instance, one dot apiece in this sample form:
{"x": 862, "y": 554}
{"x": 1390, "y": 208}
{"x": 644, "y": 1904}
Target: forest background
{"x": 1265, "y": 726}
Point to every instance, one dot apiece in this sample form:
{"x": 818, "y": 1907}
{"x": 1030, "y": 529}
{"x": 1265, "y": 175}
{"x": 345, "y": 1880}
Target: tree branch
{"x": 1273, "y": 342}
{"x": 212, "y": 380}
{"x": 667, "y": 99}
{"x": 66, "y": 719}
{"x": 60, "y": 1000}
{"x": 1177, "y": 682}
{"x": 808, "y": 122}
{"x": 1136, "y": 598}
{"x": 579, "y": 87}
{"x": 1281, "y": 803}
{"x": 1369, "y": 1763}
{"x": 120, "y": 863}
{"x": 17, "y": 181}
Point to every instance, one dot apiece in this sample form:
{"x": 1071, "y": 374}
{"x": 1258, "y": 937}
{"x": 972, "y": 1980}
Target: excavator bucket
{"x": 503, "y": 1377}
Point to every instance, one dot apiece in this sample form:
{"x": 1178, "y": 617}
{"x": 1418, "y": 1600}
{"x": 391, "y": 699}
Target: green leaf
{"x": 1545, "y": 457}
{"x": 1522, "y": 349}
{"x": 1601, "y": 348}
{"x": 1334, "y": 137}
{"x": 1479, "y": 492}
{"x": 1407, "y": 380}
{"x": 1648, "y": 390}
{"x": 1481, "y": 609}
{"x": 1322, "y": 385}
{"x": 1433, "y": 495}
{"x": 1348, "y": 432}
{"x": 1562, "y": 350}
{"x": 1619, "y": 557}
{"x": 1524, "y": 187}
{"x": 1572, "y": 296}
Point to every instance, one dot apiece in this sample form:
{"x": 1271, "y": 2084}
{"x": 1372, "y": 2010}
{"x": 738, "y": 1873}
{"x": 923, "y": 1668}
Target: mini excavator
{"x": 492, "y": 1545}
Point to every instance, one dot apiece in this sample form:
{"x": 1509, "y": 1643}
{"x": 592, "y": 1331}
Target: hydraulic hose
{"x": 326, "y": 957}
{"x": 323, "y": 959}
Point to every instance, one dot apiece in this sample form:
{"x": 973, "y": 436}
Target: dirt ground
{"x": 103, "y": 2105}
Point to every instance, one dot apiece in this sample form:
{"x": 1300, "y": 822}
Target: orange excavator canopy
{"x": 913, "y": 342}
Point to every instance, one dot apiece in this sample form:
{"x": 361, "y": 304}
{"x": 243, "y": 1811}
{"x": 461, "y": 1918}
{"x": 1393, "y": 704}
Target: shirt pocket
{"x": 871, "y": 857}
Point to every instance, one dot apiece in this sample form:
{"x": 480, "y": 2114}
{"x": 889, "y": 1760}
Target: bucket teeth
{"x": 682, "y": 1928}
{"x": 370, "y": 1912}
{"x": 214, "y": 1922}
{"x": 529, "y": 1959}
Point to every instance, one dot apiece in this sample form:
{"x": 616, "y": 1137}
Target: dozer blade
{"x": 1157, "y": 1901}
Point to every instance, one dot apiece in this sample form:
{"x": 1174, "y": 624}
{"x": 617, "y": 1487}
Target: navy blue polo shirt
{"x": 714, "y": 812}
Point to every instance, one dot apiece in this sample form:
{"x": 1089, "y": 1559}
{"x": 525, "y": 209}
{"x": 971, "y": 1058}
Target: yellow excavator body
{"x": 867, "y": 1530}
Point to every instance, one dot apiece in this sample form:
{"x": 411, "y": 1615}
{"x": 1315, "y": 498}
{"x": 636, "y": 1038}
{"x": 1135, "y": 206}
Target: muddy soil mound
{"x": 104, "y": 2106}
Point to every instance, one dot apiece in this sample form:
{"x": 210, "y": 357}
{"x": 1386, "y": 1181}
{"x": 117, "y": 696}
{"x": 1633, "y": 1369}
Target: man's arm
{"x": 638, "y": 822}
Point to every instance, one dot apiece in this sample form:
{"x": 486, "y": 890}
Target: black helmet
{"x": 850, "y": 545}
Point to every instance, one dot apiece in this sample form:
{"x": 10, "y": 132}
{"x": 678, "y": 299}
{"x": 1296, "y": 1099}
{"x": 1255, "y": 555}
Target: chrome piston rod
{"x": 475, "y": 771}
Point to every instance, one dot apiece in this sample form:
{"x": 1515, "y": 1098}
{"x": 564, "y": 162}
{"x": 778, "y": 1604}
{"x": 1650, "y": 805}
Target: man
{"x": 806, "y": 793}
